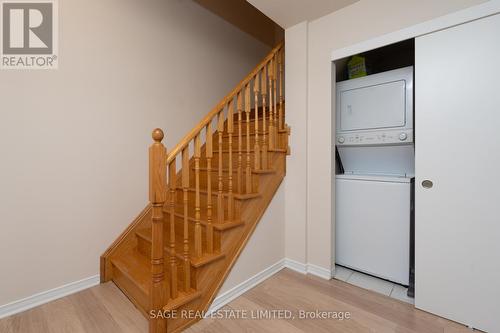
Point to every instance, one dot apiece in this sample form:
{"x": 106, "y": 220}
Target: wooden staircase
{"x": 206, "y": 197}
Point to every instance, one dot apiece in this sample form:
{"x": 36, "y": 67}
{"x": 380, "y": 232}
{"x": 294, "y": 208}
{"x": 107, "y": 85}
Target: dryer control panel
{"x": 360, "y": 138}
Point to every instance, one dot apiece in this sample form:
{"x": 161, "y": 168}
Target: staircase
{"x": 206, "y": 197}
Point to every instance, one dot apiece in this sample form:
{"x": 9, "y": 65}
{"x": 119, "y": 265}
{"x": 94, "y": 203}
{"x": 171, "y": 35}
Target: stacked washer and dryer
{"x": 374, "y": 200}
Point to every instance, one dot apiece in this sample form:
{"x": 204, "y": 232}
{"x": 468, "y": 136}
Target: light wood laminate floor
{"x": 105, "y": 309}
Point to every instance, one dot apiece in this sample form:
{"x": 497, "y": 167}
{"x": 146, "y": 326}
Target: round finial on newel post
{"x": 157, "y": 135}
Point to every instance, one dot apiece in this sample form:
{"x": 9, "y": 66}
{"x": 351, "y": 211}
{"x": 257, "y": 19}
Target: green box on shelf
{"x": 356, "y": 67}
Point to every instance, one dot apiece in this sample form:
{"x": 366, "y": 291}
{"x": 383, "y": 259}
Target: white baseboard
{"x": 312, "y": 269}
{"x": 221, "y": 300}
{"x": 47, "y": 296}
{"x": 321, "y": 272}
{"x": 226, "y": 297}
{"x": 296, "y": 266}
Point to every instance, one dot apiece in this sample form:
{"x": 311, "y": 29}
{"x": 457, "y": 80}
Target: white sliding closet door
{"x": 457, "y": 122}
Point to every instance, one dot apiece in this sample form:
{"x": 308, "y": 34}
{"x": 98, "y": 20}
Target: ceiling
{"x": 247, "y": 18}
{"x": 290, "y": 12}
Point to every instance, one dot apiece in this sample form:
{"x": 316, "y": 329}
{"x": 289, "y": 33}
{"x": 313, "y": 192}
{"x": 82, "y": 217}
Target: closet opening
{"x": 373, "y": 110}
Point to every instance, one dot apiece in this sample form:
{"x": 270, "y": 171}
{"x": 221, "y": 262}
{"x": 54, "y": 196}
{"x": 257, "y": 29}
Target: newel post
{"x": 157, "y": 196}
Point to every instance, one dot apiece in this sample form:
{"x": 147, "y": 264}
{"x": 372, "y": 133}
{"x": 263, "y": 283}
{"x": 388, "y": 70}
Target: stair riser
{"x": 225, "y": 133}
{"x": 179, "y": 209}
{"x": 236, "y": 148}
{"x": 225, "y": 159}
{"x": 179, "y": 324}
{"x": 179, "y": 204}
{"x": 144, "y": 247}
{"x": 236, "y": 131}
{"x": 225, "y": 181}
{"x": 204, "y": 195}
{"x": 179, "y": 231}
{"x": 252, "y": 120}
{"x": 259, "y": 109}
{"x": 191, "y": 208}
{"x": 130, "y": 288}
{"x": 235, "y": 143}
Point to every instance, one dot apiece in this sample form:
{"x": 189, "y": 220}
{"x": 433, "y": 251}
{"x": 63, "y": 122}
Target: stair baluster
{"x": 230, "y": 130}
{"x": 271, "y": 104}
{"x": 263, "y": 86}
{"x": 248, "y": 171}
{"x": 256, "y": 91}
{"x": 209, "y": 155}
{"x": 280, "y": 63}
{"x": 220, "y": 198}
{"x": 275, "y": 99}
{"x": 185, "y": 187}
{"x": 157, "y": 197}
{"x": 197, "y": 209}
{"x": 239, "y": 172}
{"x": 173, "y": 257}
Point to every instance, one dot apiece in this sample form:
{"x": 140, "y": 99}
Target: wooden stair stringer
{"x": 252, "y": 217}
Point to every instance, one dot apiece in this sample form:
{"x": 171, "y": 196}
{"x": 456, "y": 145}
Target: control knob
{"x": 403, "y": 136}
{"x": 341, "y": 139}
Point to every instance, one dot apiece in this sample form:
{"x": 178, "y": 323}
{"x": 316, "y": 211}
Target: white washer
{"x": 373, "y": 225}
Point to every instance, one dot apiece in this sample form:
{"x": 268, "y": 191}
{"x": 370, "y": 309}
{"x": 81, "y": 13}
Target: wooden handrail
{"x": 197, "y": 129}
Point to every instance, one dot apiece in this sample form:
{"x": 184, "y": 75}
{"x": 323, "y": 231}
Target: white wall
{"x": 296, "y": 117}
{"x": 266, "y": 246}
{"x": 73, "y": 142}
{"x": 361, "y": 21}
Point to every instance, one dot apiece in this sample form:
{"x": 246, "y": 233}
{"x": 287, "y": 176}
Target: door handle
{"x": 427, "y": 184}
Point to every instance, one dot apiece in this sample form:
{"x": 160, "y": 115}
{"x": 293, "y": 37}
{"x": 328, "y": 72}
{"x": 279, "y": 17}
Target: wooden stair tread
{"x": 252, "y": 117}
{"x": 235, "y": 150}
{"x": 237, "y": 196}
{"x": 226, "y": 170}
{"x": 236, "y": 134}
{"x": 136, "y": 267}
{"x": 246, "y": 196}
{"x": 226, "y": 225}
{"x": 252, "y": 113}
{"x": 205, "y": 259}
{"x": 264, "y": 171}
